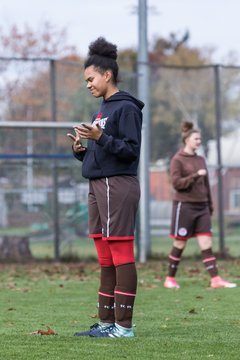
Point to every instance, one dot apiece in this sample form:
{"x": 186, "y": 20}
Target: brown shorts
{"x": 113, "y": 203}
{"x": 190, "y": 219}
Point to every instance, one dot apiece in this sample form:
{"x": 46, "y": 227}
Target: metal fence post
{"x": 218, "y": 117}
{"x": 143, "y": 94}
{"x": 55, "y": 165}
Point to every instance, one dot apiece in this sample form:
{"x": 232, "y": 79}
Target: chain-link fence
{"x": 43, "y": 195}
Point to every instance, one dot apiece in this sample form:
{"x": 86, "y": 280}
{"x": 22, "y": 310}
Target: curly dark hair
{"x": 103, "y": 55}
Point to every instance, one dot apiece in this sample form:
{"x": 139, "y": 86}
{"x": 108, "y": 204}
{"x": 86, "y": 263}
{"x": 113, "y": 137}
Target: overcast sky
{"x": 212, "y": 23}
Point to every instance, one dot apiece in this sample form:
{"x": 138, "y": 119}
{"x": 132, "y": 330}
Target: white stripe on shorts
{"x": 108, "y": 208}
{"x": 177, "y": 218}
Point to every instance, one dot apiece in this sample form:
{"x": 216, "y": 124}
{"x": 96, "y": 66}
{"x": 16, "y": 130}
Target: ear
{"x": 108, "y": 75}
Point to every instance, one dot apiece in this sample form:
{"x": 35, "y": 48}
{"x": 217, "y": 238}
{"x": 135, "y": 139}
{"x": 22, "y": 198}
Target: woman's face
{"x": 193, "y": 141}
{"x": 97, "y": 83}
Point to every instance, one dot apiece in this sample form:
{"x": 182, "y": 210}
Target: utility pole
{"x": 143, "y": 94}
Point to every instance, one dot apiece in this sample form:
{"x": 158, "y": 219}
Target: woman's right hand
{"x": 77, "y": 146}
{"x": 202, "y": 172}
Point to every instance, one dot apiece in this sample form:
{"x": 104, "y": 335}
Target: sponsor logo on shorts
{"x": 182, "y": 231}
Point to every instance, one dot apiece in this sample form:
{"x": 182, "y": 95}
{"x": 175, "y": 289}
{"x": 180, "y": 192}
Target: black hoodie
{"x": 117, "y": 151}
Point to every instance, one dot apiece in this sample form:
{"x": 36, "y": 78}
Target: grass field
{"x": 194, "y": 322}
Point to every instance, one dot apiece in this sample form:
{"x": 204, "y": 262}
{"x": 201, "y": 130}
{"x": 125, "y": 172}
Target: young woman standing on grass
{"x": 110, "y": 162}
{"x": 192, "y": 208}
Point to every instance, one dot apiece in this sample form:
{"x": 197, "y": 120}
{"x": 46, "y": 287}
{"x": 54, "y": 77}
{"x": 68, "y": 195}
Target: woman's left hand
{"x": 89, "y": 132}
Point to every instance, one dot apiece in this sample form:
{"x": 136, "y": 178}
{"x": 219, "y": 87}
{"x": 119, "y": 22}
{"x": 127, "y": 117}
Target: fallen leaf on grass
{"x": 35, "y": 333}
{"x": 164, "y": 326}
{"x": 94, "y": 316}
{"x": 11, "y": 286}
{"x": 24, "y": 290}
{"x": 147, "y": 285}
{"x": 193, "y": 271}
{"x": 49, "y": 331}
{"x": 192, "y": 311}
{"x": 151, "y": 286}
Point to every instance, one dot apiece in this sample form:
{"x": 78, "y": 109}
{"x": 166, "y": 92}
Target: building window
{"x": 235, "y": 199}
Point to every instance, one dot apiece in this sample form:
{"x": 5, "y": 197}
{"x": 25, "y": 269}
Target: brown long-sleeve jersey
{"x": 188, "y": 185}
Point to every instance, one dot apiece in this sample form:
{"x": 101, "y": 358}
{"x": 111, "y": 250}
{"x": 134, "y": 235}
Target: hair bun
{"x": 186, "y": 126}
{"x": 104, "y": 48}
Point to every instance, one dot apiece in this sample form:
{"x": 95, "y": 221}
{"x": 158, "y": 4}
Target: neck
{"x": 189, "y": 150}
{"x": 111, "y": 92}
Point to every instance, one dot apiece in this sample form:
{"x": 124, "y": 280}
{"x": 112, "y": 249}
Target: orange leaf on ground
{"x": 49, "y": 331}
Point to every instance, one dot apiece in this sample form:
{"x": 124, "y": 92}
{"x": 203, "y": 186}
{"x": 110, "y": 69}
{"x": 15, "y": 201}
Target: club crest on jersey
{"x": 182, "y": 231}
{"x": 100, "y": 121}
